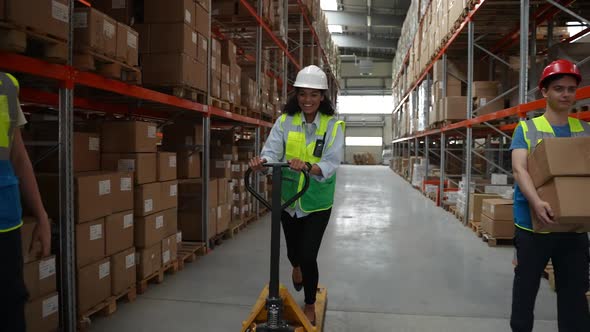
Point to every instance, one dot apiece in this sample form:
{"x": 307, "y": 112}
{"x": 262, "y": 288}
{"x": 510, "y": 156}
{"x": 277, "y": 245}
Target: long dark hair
{"x": 292, "y": 106}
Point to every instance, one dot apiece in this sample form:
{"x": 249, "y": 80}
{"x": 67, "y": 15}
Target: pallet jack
{"x": 276, "y": 309}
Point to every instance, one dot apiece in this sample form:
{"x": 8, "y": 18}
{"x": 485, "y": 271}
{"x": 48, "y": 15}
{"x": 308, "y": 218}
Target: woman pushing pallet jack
{"x": 305, "y": 138}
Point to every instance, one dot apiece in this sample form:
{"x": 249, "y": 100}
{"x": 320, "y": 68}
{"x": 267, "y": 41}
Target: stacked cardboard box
{"x": 231, "y": 73}
{"x": 42, "y": 308}
{"x": 174, "y": 43}
{"x": 452, "y": 105}
{"x": 475, "y": 205}
{"x": 497, "y": 219}
{"x": 560, "y": 170}
{"x": 184, "y": 138}
{"x": 190, "y": 209}
{"x": 483, "y": 94}
{"x": 216, "y": 69}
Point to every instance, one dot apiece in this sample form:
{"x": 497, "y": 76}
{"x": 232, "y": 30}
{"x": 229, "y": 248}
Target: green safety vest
{"x": 10, "y": 206}
{"x": 320, "y": 195}
{"x": 535, "y": 130}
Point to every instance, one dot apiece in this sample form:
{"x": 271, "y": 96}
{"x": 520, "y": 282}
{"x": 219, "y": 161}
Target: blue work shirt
{"x": 522, "y": 213}
{"x": 274, "y": 151}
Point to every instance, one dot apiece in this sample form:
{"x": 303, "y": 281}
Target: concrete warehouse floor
{"x": 391, "y": 260}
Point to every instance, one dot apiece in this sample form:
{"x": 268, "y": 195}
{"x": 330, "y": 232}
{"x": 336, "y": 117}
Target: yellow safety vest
{"x": 320, "y": 195}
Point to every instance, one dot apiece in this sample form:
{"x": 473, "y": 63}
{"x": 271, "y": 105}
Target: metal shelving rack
{"x": 490, "y": 127}
{"x": 54, "y": 86}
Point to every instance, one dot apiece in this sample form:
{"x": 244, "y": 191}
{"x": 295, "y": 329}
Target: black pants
{"x": 569, "y": 254}
{"x": 304, "y": 237}
{"x": 13, "y": 293}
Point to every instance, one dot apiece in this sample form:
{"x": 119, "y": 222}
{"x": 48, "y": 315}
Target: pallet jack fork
{"x": 276, "y": 310}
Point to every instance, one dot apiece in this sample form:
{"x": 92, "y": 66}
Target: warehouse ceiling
{"x": 366, "y": 32}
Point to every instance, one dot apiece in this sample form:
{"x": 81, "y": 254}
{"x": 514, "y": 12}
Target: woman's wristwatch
{"x": 308, "y": 166}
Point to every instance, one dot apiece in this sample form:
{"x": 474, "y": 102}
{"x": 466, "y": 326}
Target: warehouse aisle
{"x": 391, "y": 260}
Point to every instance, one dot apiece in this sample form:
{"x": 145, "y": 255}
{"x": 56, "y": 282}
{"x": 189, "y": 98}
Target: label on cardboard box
{"x": 219, "y": 212}
{"x": 60, "y": 12}
{"x": 187, "y": 16}
{"x": 129, "y": 261}
{"x": 95, "y": 232}
{"x": 126, "y": 165}
{"x": 118, "y": 4}
{"x": 128, "y": 221}
{"x": 172, "y": 161}
{"x": 46, "y": 268}
{"x": 93, "y": 144}
{"x": 194, "y": 38}
{"x": 104, "y": 187}
{"x": 108, "y": 29}
{"x": 50, "y": 306}
{"x": 104, "y": 270}
{"x": 148, "y": 205}
{"x": 178, "y": 237}
{"x": 204, "y": 44}
{"x": 125, "y": 184}
{"x": 131, "y": 40}
{"x": 166, "y": 256}
{"x": 80, "y": 20}
{"x": 159, "y": 222}
{"x": 236, "y": 210}
{"x": 220, "y": 164}
{"x": 151, "y": 132}
{"x": 173, "y": 190}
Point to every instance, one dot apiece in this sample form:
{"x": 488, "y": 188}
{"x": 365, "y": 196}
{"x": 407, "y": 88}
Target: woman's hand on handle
{"x": 256, "y": 164}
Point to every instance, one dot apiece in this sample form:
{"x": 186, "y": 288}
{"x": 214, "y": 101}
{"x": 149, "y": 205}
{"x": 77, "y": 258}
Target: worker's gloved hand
{"x": 297, "y": 165}
{"x": 544, "y": 212}
{"x": 256, "y": 164}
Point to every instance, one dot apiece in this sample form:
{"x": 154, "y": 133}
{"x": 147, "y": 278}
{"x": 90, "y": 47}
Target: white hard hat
{"x": 311, "y": 77}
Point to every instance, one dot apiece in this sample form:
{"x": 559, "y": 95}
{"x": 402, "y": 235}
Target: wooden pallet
{"x": 222, "y": 104}
{"x": 189, "y": 251}
{"x": 157, "y": 277}
{"x": 34, "y": 43}
{"x": 494, "y": 242}
{"x": 181, "y": 91}
{"x": 106, "y": 307}
{"x": 234, "y": 228}
{"x": 474, "y": 225}
{"x": 93, "y": 61}
{"x": 241, "y": 110}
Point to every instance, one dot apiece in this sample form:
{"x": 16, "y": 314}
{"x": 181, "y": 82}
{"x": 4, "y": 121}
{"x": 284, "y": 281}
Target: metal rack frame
{"x": 464, "y": 131}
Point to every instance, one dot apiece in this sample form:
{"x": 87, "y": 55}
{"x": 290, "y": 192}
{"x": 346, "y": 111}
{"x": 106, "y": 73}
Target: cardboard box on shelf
{"x": 497, "y": 209}
{"x": 173, "y": 38}
{"x": 85, "y": 156}
{"x": 485, "y": 88}
{"x": 454, "y": 87}
{"x": 222, "y": 190}
{"x": 202, "y": 20}
{"x": 148, "y": 260}
{"x": 147, "y": 199}
{"x": 93, "y": 195}
{"x": 204, "y": 4}
{"x": 190, "y": 224}
{"x": 568, "y": 198}
{"x": 170, "y": 221}
{"x": 454, "y": 108}
{"x": 166, "y": 169}
{"x": 42, "y": 314}
{"x": 124, "y": 271}
{"x": 119, "y": 232}
{"x": 484, "y": 106}
{"x": 475, "y": 205}
{"x": 225, "y": 74}
{"x": 127, "y": 44}
{"x": 189, "y": 165}
{"x": 94, "y": 31}
{"x": 120, "y": 10}
{"x": 94, "y": 284}
{"x": 169, "y": 69}
{"x": 122, "y": 191}
{"x": 51, "y": 17}
{"x": 169, "y": 195}
{"x": 173, "y": 11}
{"x": 31, "y": 251}
{"x": 497, "y": 228}
{"x": 201, "y": 76}
{"x": 143, "y": 165}
{"x": 90, "y": 242}
{"x": 499, "y": 179}
{"x": 150, "y": 230}
{"x": 224, "y": 214}
{"x": 169, "y": 249}
{"x": 238, "y": 169}
{"x": 129, "y": 136}
{"x": 182, "y": 136}
{"x": 559, "y": 157}
{"x": 40, "y": 277}
{"x": 220, "y": 169}
{"x": 190, "y": 193}
{"x": 229, "y": 52}
{"x": 202, "y": 49}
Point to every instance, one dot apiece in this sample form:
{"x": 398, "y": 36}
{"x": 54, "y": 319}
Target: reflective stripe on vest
{"x": 320, "y": 195}
{"x": 8, "y": 113}
{"x": 537, "y": 129}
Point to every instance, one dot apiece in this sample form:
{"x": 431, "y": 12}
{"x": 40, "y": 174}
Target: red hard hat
{"x": 559, "y": 67}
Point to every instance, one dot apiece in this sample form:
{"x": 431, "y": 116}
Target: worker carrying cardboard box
{"x": 567, "y": 250}
{"x": 307, "y": 136}
{"x": 16, "y": 175}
